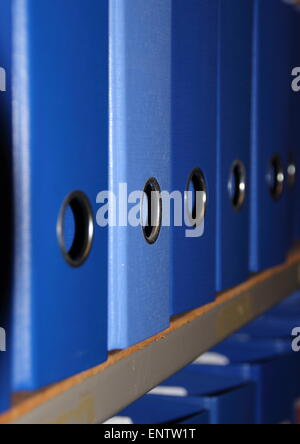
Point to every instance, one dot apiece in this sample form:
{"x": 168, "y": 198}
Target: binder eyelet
{"x": 151, "y": 210}
{"x": 196, "y": 184}
{"x": 291, "y": 171}
{"x": 276, "y": 178}
{"x": 237, "y": 185}
{"x": 77, "y": 248}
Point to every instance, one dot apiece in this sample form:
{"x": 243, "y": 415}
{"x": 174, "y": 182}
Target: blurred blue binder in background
{"x": 5, "y": 386}
{"x": 288, "y": 307}
{"x": 201, "y": 380}
{"x": 151, "y": 409}
{"x": 272, "y": 327}
{"x": 60, "y": 125}
{"x": 203, "y": 418}
{"x": 234, "y": 130}
{"x": 140, "y": 158}
{"x": 234, "y": 406}
{"x": 228, "y": 399}
{"x": 279, "y": 322}
{"x": 194, "y": 89}
{"x": 271, "y": 116}
{"x": 270, "y": 364}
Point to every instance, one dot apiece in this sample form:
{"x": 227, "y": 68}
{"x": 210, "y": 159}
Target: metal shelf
{"x": 98, "y": 394}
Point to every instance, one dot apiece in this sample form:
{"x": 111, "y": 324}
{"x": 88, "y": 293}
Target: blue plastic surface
{"x": 202, "y": 418}
{"x": 234, "y": 120}
{"x": 6, "y": 207}
{"x": 60, "y": 84}
{"x": 5, "y": 386}
{"x": 272, "y": 326}
{"x": 236, "y": 406}
{"x": 232, "y": 407}
{"x": 241, "y": 348}
{"x": 274, "y": 369}
{"x": 272, "y": 57}
{"x": 140, "y": 149}
{"x": 226, "y": 396}
{"x": 194, "y": 88}
{"x": 289, "y": 307}
{"x": 278, "y": 322}
{"x": 152, "y": 409}
{"x": 201, "y": 380}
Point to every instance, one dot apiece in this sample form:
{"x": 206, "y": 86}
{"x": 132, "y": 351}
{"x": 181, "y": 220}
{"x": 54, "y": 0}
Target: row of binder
{"x": 160, "y": 96}
{"x": 245, "y": 380}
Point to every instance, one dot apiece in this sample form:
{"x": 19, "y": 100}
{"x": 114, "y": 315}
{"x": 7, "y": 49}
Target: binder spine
{"x": 60, "y": 153}
{"x": 22, "y": 334}
{"x": 255, "y": 117}
{"x": 117, "y": 307}
{"x": 233, "y": 151}
{"x": 140, "y": 150}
